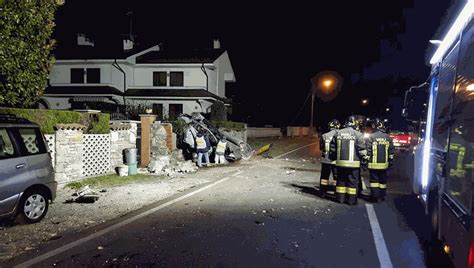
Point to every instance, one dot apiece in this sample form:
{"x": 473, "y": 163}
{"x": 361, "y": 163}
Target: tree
{"x": 25, "y": 49}
{"x": 218, "y": 111}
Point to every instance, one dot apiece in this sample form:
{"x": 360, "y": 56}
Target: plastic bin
{"x": 123, "y": 171}
{"x": 130, "y": 155}
{"x": 132, "y": 169}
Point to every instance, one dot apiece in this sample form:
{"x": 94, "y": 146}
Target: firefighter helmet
{"x": 351, "y": 122}
{"x": 379, "y": 125}
{"x": 334, "y": 124}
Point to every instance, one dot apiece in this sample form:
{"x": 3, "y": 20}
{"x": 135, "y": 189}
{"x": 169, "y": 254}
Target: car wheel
{"x": 33, "y": 206}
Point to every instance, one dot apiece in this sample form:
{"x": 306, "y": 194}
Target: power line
{"x": 301, "y": 109}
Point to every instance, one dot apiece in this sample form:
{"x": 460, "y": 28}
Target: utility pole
{"x": 313, "y": 92}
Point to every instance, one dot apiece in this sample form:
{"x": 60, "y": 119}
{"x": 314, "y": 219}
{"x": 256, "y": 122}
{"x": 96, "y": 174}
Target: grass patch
{"x": 111, "y": 180}
{"x": 280, "y": 145}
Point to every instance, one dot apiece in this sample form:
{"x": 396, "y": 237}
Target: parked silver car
{"x": 27, "y": 182}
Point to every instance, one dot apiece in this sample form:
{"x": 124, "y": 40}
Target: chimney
{"x": 217, "y": 43}
{"x": 127, "y": 44}
{"x": 83, "y": 40}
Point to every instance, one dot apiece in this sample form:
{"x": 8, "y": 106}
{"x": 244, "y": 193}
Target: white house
{"x": 170, "y": 82}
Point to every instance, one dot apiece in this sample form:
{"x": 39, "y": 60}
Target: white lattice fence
{"x": 96, "y": 154}
{"x": 30, "y": 143}
{"x": 51, "y": 143}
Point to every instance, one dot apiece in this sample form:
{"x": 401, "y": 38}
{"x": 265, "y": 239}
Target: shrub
{"x": 218, "y": 111}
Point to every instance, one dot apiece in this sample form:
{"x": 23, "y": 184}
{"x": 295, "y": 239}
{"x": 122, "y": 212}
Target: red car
{"x": 401, "y": 140}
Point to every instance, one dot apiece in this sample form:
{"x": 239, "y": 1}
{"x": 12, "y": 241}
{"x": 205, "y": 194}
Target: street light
{"x": 364, "y": 102}
{"x": 325, "y": 82}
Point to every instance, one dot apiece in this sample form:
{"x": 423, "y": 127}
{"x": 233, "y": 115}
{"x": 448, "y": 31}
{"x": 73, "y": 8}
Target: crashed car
{"x": 236, "y": 148}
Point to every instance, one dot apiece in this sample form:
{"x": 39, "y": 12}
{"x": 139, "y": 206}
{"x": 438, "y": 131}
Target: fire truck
{"x": 444, "y": 155}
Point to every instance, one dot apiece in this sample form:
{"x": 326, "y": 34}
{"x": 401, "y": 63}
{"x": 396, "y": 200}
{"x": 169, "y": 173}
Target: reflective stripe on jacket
{"x": 380, "y": 150}
{"x": 348, "y": 148}
{"x": 220, "y": 150}
{"x": 325, "y": 147}
{"x": 200, "y": 143}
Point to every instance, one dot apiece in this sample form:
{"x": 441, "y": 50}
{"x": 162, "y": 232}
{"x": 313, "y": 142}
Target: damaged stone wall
{"x": 69, "y": 151}
{"x": 161, "y": 139}
{"x": 122, "y": 136}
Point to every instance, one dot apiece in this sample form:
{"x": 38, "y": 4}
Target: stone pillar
{"x": 69, "y": 151}
{"x": 159, "y": 144}
{"x": 146, "y": 122}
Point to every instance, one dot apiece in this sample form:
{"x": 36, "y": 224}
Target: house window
{"x": 93, "y": 75}
{"x": 176, "y": 79}
{"x": 77, "y": 76}
{"x": 175, "y": 110}
{"x": 159, "y": 79}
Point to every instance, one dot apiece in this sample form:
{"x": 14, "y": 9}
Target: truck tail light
{"x": 471, "y": 255}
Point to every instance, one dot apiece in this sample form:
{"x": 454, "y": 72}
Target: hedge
{"x": 47, "y": 119}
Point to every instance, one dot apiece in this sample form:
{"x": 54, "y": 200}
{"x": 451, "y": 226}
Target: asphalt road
{"x": 267, "y": 214}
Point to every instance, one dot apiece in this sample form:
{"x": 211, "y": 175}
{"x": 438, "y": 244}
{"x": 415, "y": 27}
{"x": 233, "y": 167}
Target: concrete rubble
{"x": 170, "y": 165}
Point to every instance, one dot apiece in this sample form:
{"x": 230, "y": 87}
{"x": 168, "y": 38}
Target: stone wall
{"x": 261, "y": 132}
{"x": 69, "y": 151}
{"x": 122, "y": 136}
{"x": 67, "y": 147}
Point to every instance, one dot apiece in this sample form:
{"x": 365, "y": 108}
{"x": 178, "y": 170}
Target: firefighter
{"x": 348, "y": 149}
{"x": 380, "y": 152}
{"x": 327, "y": 166}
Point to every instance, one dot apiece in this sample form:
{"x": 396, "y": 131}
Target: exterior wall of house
{"x": 60, "y": 74}
{"x": 193, "y": 76}
{"x": 189, "y": 106}
{"x": 224, "y": 73}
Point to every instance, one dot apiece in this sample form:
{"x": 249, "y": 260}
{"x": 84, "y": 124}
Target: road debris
{"x": 259, "y": 223}
{"x": 264, "y": 149}
{"x": 289, "y": 172}
{"x": 100, "y": 247}
{"x": 84, "y": 195}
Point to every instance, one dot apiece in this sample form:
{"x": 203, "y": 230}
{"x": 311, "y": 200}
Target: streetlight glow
{"x": 328, "y": 82}
{"x": 365, "y": 101}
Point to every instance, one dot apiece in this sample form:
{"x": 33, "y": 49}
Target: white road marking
{"x": 116, "y": 226}
{"x": 380, "y": 246}
{"x": 296, "y": 149}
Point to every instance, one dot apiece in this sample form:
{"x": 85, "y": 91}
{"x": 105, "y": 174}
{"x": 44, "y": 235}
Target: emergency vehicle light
{"x": 425, "y": 167}
{"x": 462, "y": 19}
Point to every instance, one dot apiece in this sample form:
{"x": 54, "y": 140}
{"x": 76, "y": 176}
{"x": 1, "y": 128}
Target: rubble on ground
{"x": 84, "y": 195}
{"x": 170, "y": 165}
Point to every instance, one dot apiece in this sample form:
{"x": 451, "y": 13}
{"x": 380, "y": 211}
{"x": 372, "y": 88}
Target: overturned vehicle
{"x": 236, "y": 148}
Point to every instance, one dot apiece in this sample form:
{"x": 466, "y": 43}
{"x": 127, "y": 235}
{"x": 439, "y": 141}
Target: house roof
{"x": 194, "y": 93}
{"x": 181, "y": 56}
{"x": 83, "y": 90}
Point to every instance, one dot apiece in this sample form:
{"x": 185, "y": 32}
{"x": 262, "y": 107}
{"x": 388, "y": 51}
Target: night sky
{"x": 378, "y": 47}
